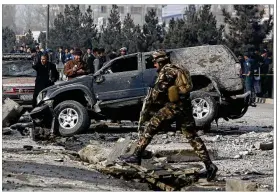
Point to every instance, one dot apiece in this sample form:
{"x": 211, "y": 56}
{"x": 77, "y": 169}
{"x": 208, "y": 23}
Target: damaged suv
{"x": 117, "y": 90}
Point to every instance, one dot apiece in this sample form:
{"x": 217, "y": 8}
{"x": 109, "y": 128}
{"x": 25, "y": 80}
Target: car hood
{"x": 78, "y": 80}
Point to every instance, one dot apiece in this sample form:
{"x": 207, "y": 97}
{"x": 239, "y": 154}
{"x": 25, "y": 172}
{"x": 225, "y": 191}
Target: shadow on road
{"x": 65, "y": 172}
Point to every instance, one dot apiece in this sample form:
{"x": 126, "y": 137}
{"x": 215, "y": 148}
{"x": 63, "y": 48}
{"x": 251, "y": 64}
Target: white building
{"x": 137, "y": 12}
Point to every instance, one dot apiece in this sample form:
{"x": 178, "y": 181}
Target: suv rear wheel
{"x": 72, "y": 118}
{"x": 204, "y": 108}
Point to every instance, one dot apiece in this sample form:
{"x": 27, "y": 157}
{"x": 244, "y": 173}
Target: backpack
{"x": 183, "y": 81}
{"x": 182, "y": 85}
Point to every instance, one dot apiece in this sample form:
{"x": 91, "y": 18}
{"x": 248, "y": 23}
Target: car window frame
{"x": 110, "y": 63}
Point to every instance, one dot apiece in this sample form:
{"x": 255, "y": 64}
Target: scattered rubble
{"x": 94, "y": 153}
{"x": 237, "y": 157}
{"x": 264, "y": 146}
{"x": 238, "y": 152}
{"x": 11, "y": 112}
{"x": 28, "y": 147}
{"x": 239, "y": 185}
{"x": 6, "y": 131}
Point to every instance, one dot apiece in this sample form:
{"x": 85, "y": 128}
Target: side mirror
{"x": 99, "y": 79}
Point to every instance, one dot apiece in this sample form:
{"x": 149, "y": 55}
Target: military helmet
{"x": 159, "y": 56}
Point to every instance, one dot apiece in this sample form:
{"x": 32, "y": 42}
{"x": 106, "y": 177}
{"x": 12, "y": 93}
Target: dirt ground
{"x": 55, "y": 167}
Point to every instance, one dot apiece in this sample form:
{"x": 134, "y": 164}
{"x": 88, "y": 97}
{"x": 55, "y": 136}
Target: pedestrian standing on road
{"x": 47, "y": 75}
{"x": 265, "y": 70}
{"x": 21, "y": 49}
{"x": 77, "y": 67}
{"x": 89, "y": 58}
{"x": 171, "y": 94}
{"x": 256, "y": 60}
{"x": 248, "y": 73}
{"x": 66, "y": 52}
{"x": 95, "y": 52}
{"x": 99, "y": 60}
{"x": 70, "y": 55}
{"x": 60, "y": 61}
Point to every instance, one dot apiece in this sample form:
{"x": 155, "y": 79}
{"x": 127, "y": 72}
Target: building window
{"x": 121, "y": 9}
{"x": 103, "y": 9}
{"x": 136, "y": 10}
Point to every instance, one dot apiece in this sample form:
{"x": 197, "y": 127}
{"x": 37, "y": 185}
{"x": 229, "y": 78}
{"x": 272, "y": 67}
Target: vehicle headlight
{"x": 41, "y": 96}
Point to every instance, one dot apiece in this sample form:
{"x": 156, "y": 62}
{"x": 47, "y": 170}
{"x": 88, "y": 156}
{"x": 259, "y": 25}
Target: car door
{"x": 123, "y": 78}
{"x": 149, "y": 71}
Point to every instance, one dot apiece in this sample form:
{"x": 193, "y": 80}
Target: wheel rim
{"x": 201, "y": 108}
{"x": 68, "y": 118}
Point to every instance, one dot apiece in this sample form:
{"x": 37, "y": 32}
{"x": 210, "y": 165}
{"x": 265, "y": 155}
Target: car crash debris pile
{"x": 11, "y": 112}
{"x": 153, "y": 170}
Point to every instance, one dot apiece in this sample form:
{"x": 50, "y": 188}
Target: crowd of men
{"x": 92, "y": 59}
{"x": 257, "y": 72}
{"x": 67, "y": 64}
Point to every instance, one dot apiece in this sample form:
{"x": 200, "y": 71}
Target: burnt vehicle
{"x": 117, "y": 90}
{"x": 18, "y": 78}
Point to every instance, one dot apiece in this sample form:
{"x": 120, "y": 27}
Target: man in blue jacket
{"x": 248, "y": 73}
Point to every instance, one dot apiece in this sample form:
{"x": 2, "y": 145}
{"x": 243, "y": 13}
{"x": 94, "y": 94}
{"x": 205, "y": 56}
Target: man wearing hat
{"x": 123, "y": 51}
{"x": 76, "y": 67}
{"x": 171, "y": 95}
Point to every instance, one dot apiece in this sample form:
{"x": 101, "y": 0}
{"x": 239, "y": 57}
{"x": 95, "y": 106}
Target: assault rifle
{"x": 143, "y": 112}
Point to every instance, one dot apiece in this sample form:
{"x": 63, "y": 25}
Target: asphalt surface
{"x": 51, "y": 167}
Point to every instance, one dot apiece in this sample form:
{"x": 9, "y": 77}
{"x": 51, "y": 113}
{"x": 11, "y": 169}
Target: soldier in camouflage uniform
{"x": 179, "y": 111}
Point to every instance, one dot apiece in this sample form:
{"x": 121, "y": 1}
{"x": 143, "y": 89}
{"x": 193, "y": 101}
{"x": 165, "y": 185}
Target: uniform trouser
{"x": 183, "y": 116}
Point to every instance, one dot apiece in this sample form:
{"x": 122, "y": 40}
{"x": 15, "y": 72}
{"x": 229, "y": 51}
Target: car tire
{"x": 205, "y": 109}
{"x": 71, "y": 118}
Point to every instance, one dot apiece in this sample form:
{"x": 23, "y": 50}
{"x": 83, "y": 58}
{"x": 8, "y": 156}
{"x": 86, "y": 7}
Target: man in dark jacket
{"x": 46, "y": 76}
{"x": 60, "y": 61}
{"x": 89, "y": 58}
{"x": 60, "y": 56}
{"x": 14, "y": 50}
{"x": 99, "y": 60}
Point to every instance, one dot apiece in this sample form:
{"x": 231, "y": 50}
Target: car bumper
{"x": 241, "y": 96}
{"x": 42, "y": 115}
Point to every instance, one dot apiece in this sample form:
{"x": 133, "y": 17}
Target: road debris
{"x": 11, "y": 112}
{"x": 264, "y": 146}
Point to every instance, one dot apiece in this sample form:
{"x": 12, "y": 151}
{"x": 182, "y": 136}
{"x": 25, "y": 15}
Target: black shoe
{"x": 211, "y": 171}
{"x": 253, "y": 105}
{"x": 133, "y": 159}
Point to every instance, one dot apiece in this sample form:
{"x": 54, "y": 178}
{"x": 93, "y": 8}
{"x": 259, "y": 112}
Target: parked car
{"x": 18, "y": 78}
{"x": 117, "y": 90}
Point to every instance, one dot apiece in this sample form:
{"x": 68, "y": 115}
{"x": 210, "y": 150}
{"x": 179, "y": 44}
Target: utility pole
{"x": 48, "y": 22}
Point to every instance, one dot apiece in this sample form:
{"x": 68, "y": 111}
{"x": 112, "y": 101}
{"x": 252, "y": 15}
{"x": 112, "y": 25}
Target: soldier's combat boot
{"x": 134, "y": 159}
{"x": 211, "y": 171}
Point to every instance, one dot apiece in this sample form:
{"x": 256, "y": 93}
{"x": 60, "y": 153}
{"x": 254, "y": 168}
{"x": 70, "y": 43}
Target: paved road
{"x": 48, "y": 168}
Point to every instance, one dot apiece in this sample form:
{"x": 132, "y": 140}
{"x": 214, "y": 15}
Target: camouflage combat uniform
{"x": 179, "y": 111}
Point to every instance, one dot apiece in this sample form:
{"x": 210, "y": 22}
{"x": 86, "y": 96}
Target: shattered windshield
{"x": 18, "y": 68}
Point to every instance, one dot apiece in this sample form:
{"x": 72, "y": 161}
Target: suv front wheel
{"x": 71, "y": 118}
